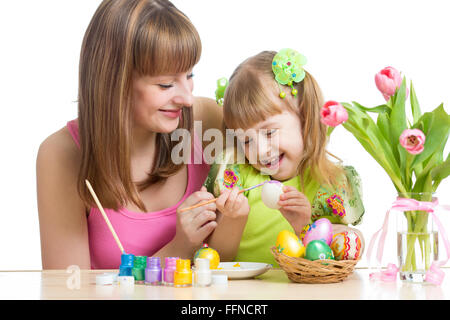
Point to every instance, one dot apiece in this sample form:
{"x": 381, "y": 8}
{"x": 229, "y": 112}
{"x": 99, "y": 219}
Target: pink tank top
{"x": 141, "y": 234}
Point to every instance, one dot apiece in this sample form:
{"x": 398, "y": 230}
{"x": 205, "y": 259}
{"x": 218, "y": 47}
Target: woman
{"x": 135, "y": 89}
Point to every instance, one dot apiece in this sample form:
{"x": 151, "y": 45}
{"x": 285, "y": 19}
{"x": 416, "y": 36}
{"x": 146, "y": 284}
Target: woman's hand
{"x": 295, "y": 207}
{"x": 195, "y": 225}
{"x": 233, "y": 204}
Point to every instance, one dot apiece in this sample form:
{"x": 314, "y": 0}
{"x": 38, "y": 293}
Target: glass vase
{"x": 417, "y": 240}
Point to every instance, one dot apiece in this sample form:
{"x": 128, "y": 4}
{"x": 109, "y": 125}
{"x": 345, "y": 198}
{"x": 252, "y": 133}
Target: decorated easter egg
{"x": 289, "y": 244}
{"x": 270, "y": 193}
{"x": 208, "y": 253}
{"x": 320, "y": 229}
{"x": 346, "y": 245}
{"x": 304, "y": 230}
{"x": 318, "y": 250}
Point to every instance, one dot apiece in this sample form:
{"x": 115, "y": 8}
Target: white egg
{"x": 270, "y": 194}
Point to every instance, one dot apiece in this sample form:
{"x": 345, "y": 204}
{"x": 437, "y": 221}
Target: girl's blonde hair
{"x": 147, "y": 37}
{"x": 253, "y": 95}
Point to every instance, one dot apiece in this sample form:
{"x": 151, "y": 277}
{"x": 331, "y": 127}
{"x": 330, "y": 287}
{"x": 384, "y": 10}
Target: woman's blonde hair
{"x": 253, "y": 95}
{"x": 147, "y": 37}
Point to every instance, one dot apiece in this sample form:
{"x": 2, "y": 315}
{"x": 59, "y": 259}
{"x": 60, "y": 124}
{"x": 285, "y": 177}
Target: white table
{"x": 273, "y": 285}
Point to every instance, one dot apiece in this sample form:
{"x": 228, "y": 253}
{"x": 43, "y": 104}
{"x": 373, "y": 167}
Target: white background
{"x": 346, "y": 43}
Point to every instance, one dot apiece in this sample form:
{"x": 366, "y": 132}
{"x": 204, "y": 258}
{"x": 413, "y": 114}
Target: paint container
{"x": 153, "y": 272}
{"x": 220, "y": 280}
{"x": 126, "y": 281}
{"x": 140, "y": 262}
{"x": 202, "y": 273}
{"x": 105, "y": 279}
{"x": 170, "y": 266}
{"x": 183, "y": 275}
{"x": 126, "y": 265}
{"x": 126, "y": 286}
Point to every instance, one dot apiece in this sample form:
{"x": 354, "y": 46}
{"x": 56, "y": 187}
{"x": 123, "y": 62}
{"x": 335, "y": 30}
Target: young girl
{"x": 283, "y": 134}
{"x": 135, "y": 89}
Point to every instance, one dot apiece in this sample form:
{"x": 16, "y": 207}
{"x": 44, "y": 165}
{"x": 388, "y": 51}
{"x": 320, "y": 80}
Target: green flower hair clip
{"x": 222, "y": 84}
{"x": 287, "y": 65}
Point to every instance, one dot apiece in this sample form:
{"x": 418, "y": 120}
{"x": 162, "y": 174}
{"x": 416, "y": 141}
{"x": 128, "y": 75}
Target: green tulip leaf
{"x": 441, "y": 172}
{"x": 378, "y": 109}
{"x": 330, "y": 130}
{"x": 397, "y": 119}
{"x": 383, "y": 125}
{"x": 436, "y": 127}
{"x": 428, "y": 165}
{"x": 421, "y": 172}
{"x": 415, "y": 107}
{"x": 372, "y": 139}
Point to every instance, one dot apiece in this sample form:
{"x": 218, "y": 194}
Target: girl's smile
{"x": 273, "y": 163}
{"x": 275, "y": 146}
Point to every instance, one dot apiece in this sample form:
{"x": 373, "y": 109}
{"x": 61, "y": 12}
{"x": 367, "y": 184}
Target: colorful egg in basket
{"x": 346, "y": 245}
{"x": 318, "y": 250}
{"x": 320, "y": 229}
{"x": 304, "y": 230}
{"x": 210, "y": 254}
{"x": 302, "y": 270}
{"x": 319, "y": 264}
{"x": 289, "y": 244}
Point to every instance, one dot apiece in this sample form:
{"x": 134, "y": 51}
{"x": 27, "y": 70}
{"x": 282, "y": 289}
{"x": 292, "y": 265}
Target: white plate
{"x": 242, "y": 270}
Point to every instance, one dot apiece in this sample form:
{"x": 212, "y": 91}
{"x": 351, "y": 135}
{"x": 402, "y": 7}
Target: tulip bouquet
{"x": 410, "y": 151}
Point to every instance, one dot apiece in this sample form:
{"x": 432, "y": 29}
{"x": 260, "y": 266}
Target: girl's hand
{"x": 295, "y": 207}
{"x": 195, "y": 225}
{"x": 233, "y": 204}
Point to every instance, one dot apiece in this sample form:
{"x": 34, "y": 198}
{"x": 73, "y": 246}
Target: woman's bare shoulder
{"x": 57, "y": 170}
{"x": 62, "y": 213}
{"x": 209, "y": 112}
{"x": 60, "y": 148}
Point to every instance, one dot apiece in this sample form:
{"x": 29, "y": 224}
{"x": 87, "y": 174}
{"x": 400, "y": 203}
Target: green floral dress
{"x": 341, "y": 204}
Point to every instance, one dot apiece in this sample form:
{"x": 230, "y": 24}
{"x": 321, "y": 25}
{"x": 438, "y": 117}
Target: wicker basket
{"x": 306, "y": 271}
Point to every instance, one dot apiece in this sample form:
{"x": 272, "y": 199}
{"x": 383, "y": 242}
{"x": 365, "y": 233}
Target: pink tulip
{"x": 388, "y": 81}
{"x": 412, "y": 140}
{"x": 333, "y": 114}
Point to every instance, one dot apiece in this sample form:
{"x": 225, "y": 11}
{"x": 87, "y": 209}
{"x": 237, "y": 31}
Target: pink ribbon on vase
{"x": 390, "y": 274}
{"x": 434, "y": 274}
